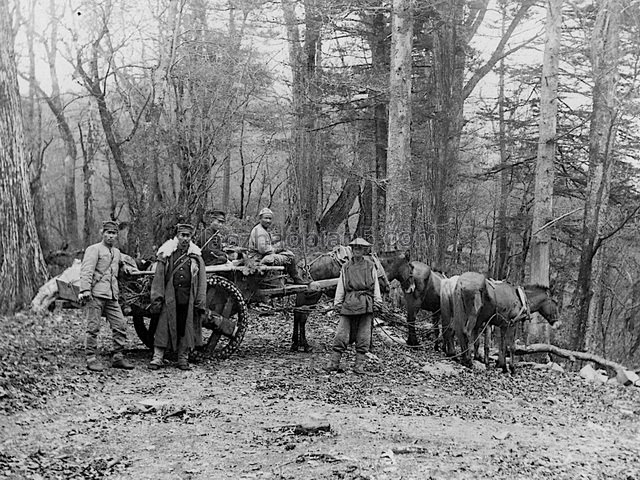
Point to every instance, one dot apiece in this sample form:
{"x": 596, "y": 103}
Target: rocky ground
{"x": 270, "y": 413}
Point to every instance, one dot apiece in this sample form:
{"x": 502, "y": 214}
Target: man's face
{"x": 183, "y": 240}
{"x": 266, "y": 220}
{"x": 358, "y": 250}
{"x": 109, "y": 237}
{"x": 217, "y": 222}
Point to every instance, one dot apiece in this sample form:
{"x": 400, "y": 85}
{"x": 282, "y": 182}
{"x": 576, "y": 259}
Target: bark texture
{"x": 22, "y": 266}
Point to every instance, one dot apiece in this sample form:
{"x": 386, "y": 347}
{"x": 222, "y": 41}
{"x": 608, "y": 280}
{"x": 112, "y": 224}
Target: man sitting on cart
{"x": 263, "y": 249}
{"x": 209, "y": 239}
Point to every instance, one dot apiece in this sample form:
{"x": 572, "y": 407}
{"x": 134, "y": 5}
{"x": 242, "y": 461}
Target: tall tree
{"x": 22, "y": 266}
{"x": 605, "y": 57}
{"x": 304, "y": 57}
{"x": 399, "y": 192}
{"x": 547, "y": 145}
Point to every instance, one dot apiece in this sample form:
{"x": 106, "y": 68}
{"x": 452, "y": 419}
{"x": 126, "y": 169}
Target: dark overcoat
{"x": 162, "y": 289}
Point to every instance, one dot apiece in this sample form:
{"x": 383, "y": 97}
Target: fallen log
{"x": 570, "y": 355}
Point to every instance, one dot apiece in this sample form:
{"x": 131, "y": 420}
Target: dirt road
{"x": 268, "y": 413}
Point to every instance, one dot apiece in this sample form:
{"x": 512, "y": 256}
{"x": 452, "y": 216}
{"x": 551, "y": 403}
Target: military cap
{"x": 265, "y": 211}
{"x": 109, "y": 225}
{"x": 216, "y": 212}
{"x": 185, "y": 228}
{"x": 359, "y": 242}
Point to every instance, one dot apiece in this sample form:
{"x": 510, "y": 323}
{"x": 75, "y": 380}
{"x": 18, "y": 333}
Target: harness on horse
{"x": 523, "y": 314}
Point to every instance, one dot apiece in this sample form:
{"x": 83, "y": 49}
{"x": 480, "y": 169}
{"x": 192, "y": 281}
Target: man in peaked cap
{"x": 357, "y": 296}
{"x": 99, "y": 293}
{"x": 262, "y": 248}
{"x": 209, "y": 239}
{"x": 179, "y": 293}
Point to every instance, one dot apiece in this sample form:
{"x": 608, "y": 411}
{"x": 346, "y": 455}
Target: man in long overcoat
{"x": 179, "y": 291}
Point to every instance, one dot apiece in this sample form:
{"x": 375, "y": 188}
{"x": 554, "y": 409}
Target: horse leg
{"x": 437, "y": 319}
{"x": 502, "y": 361}
{"x": 303, "y": 334}
{"x": 487, "y": 341}
{"x": 510, "y": 339}
{"x": 412, "y": 339}
{"x": 296, "y": 328}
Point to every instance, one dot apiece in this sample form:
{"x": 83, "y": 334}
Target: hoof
{"x": 294, "y": 347}
{"x": 307, "y": 348}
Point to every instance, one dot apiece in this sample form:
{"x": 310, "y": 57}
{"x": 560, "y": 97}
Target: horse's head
{"x": 541, "y": 301}
{"x": 550, "y": 310}
{"x": 397, "y": 266}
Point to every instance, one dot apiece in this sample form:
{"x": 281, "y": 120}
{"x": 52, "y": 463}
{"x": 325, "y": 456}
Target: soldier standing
{"x": 99, "y": 292}
{"x": 178, "y": 292}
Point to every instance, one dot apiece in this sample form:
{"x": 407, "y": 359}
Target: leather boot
{"x": 118, "y": 361}
{"x": 183, "y": 357}
{"x": 333, "y": 365}
{"x": 157, "y": 360}
{"x": 292, "y": 271}
{"x": 94, "y": 364}
{"x": 358, "y": 366}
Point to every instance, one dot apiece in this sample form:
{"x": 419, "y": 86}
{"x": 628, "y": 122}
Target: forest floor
{"x": 240, "y": 418}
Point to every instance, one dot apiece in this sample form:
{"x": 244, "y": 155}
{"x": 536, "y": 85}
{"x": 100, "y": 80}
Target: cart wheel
{"x": 145, "y": 325}
{"x": 230, "y": 309}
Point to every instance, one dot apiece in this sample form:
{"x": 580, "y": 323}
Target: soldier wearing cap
{"x": 179, "y": 294}
{"x": 262, "y": 248}
{"x": 99, "y": 293}
{"x": 357, "y": 296}
{"x": 210, "y": 239}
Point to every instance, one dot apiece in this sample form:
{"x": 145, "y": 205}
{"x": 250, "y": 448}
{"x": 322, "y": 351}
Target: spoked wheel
{"x": 226, "y": 322}
{"x": 145, "y": 325}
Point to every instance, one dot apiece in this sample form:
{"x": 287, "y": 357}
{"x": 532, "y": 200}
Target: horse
{"x": 530, "y": 299}
{"x": 421, "y": 286}
{"x": 324, "y": 267}
{"x": 480, "y": 302}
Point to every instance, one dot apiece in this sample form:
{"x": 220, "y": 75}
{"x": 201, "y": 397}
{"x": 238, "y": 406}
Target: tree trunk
{"x": 304, "y": 60}
{"x": 375, "y": 192}
{"x": 502, "y": 246}
{"x": 399, "y": 192}
{"x": 604, "y": 58}
{"x": 544, "y": 176}
{"x": 339, "y": 210}
{"x": 89, "y": 148}
{"x": 22, "y": 266}
{"x": 36, "y": 149}
{"x": 55, "y": 103}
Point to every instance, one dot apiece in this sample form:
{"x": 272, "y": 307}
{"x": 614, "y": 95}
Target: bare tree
{"x": 22, "y": 266}
{"x": 547, "y": 145}
{"x": 399, "y": 192}
{"x": 602, "y": 133}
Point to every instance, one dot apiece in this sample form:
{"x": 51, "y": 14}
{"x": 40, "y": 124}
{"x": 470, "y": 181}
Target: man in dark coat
{"x": 357, "y": 296}
{"x": 99, "y": 291}
{"x": 179, "y": 292}
{"x": 210, "y": 239}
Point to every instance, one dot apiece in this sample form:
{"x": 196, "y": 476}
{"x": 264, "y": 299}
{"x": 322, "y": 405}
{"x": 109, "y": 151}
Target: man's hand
{"x": 156, "y": 306}
{"x": 84, "y": 297}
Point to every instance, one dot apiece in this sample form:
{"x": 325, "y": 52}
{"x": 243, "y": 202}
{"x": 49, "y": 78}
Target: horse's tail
{"x": 459, "y": 311}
